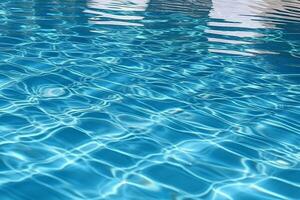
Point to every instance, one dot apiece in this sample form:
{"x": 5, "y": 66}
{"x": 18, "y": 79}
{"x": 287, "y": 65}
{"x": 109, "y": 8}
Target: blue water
{"x": 159, "y": 99}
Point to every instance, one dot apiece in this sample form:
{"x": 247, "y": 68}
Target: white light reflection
{"x": 245, "y": 13}
{"x": 240, "y": 22}
{"x": 117, "y": 12}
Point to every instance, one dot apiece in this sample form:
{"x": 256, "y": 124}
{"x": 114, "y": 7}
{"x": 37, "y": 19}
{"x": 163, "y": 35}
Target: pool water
{"x": 149, "y": 99}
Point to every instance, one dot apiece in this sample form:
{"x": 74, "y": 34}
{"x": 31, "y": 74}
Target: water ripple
{"x": 149, "y": 99}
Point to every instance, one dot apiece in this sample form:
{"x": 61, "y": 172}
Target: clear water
{"x": 159, "y": 99}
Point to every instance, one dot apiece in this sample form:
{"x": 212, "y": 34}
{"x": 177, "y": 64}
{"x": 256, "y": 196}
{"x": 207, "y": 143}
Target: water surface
{"x": 149, "y": 99}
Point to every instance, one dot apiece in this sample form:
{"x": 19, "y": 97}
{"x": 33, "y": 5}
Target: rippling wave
{"x": 149, "y": 99}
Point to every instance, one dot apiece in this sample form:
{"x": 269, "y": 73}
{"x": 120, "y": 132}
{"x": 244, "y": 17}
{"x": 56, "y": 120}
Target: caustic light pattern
{"x": 149, "y": 99}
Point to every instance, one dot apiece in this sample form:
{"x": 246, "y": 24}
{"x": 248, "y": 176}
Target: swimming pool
{"x": 149, "y": 99}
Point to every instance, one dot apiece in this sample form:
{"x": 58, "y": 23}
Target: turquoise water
{"x": 159, "y": 99}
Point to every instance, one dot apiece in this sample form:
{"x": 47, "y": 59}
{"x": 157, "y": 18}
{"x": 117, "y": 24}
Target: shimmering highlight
{"x": 158, "y": 99}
